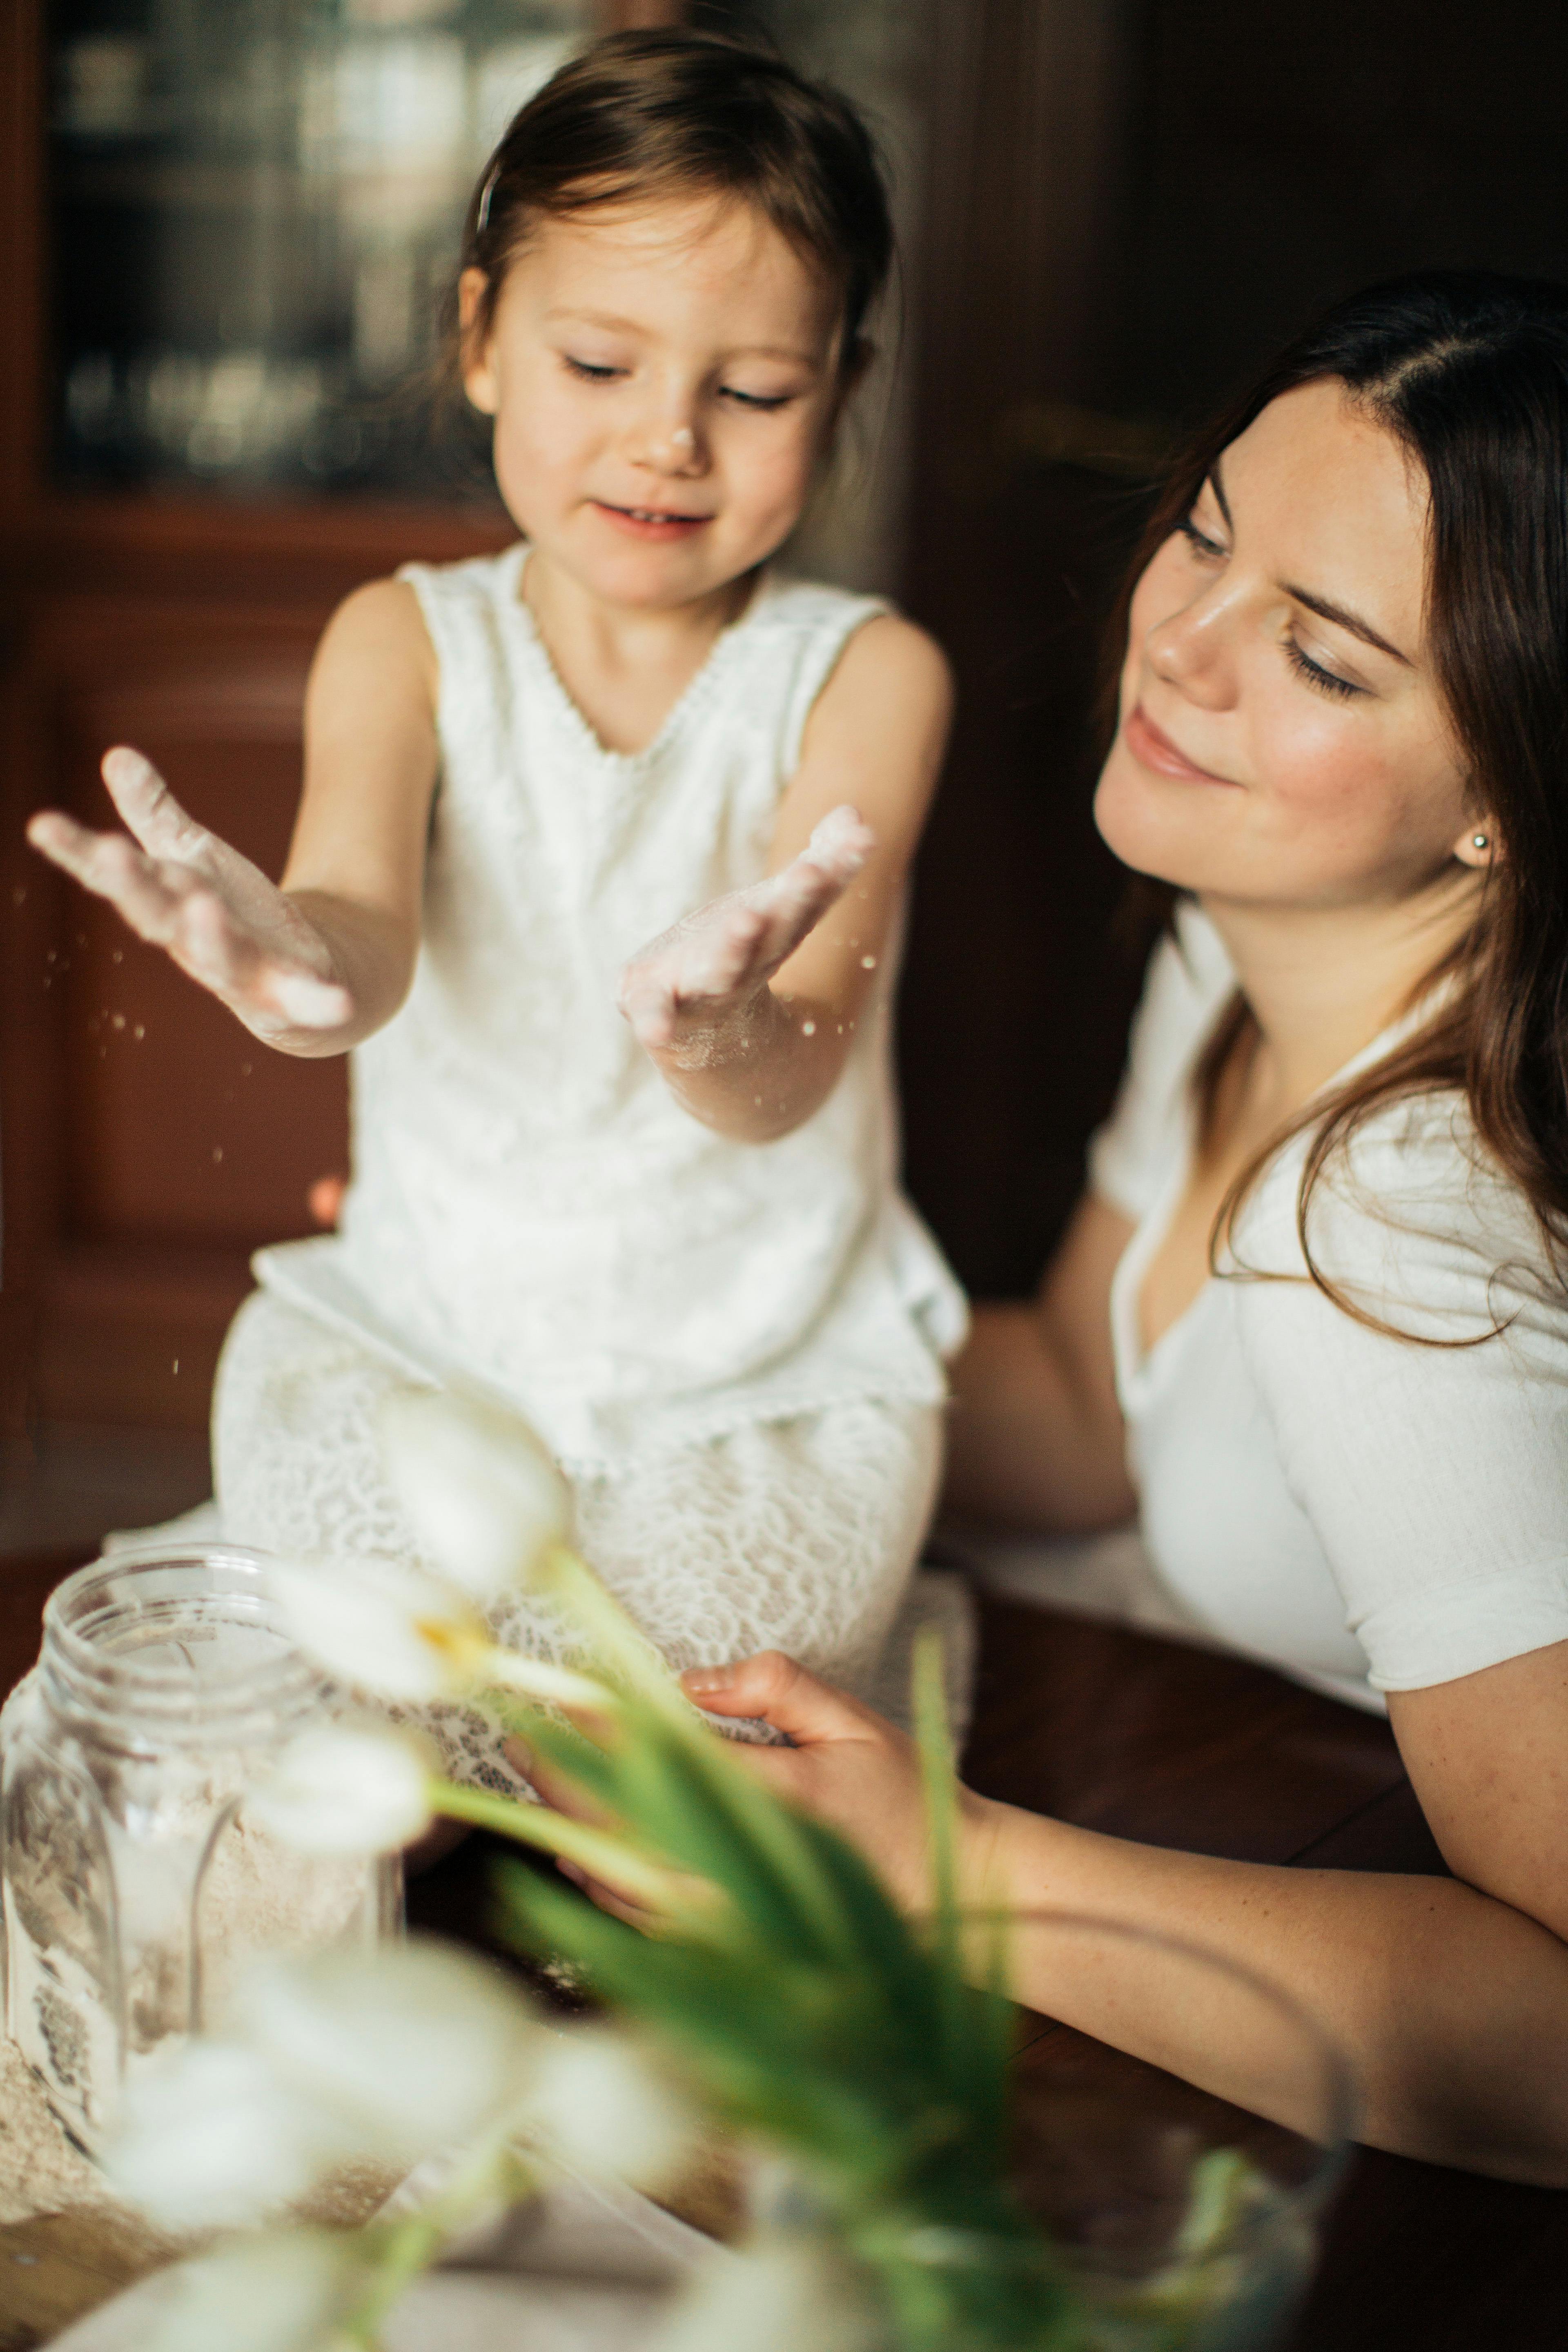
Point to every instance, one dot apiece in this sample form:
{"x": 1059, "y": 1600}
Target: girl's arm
{"x": 1036, "y": 1438}
{"x": 749, "y": 1006}
{"x": 1449, "y": 1996}
{"x": 315, "y": 965}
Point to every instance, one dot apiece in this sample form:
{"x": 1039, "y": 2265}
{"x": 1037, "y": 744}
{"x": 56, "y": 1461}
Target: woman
{"x": 1311, "y": 1317}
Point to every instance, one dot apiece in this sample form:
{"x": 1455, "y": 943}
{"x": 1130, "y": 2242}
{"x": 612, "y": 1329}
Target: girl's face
{"x": 664, "y": 379}
{"x": 1282, "y": 738}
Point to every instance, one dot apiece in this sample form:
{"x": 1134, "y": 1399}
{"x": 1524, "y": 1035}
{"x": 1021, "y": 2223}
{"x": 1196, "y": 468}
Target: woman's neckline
{"x": 1132, "y": 1272}
{"x": 699, "y": 687}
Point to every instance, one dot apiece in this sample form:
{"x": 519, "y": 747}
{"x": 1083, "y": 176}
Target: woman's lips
{"x": 1154, "y": 750}
{"x": 648, "y": 522}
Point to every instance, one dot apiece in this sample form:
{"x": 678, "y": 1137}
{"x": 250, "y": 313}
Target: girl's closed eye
{"x": 591, "y": 370}
{"x": 765, "y": 402}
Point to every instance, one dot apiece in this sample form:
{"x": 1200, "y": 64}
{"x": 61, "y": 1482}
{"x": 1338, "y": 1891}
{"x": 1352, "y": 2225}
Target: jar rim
{"x": 123, "y": 1681}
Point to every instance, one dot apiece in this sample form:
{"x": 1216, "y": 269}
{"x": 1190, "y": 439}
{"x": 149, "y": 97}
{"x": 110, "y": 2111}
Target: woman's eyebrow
{"x": 1347, "y": 620}
{"x": 1340, "y": 614}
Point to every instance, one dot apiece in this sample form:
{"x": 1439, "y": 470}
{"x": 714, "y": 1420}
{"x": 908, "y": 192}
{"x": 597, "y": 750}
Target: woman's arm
{"x": 749, "y": 1006}
{"x": 315, "y": 965}
{"x": 1037, "y": 1439}
{"x": 1449, "y": 1996}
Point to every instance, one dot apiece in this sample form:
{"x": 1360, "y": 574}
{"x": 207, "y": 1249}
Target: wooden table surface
{"x": 1176, "y": 1746}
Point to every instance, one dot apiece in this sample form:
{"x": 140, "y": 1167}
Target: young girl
{"x": 630, "y": 1166}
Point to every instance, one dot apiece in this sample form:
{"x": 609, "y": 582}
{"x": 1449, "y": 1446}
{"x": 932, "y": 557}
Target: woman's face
{"x": 1282, "y": 742}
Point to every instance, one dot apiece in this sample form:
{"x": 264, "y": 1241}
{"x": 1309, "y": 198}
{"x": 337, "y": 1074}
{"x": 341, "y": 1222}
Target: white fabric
{"x": 530, "y": 1208}
{"x": 798, "y": 1535}
{"x": 1367, "y": 1513}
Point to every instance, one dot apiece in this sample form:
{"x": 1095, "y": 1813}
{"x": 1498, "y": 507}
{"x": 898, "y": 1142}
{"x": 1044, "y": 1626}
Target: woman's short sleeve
{"x": 1436, "y": 1477}
{"x": 1131, "y": 1156}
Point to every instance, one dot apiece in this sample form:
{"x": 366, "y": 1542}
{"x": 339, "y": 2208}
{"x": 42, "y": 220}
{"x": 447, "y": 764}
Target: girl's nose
{"x": 670, "y": 446}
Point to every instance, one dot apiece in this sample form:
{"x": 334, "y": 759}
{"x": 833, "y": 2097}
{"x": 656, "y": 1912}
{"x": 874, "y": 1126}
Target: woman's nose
{"x": 1188, "y": 650}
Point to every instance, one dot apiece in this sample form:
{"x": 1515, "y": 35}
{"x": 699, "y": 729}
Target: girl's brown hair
{"x": 681, "y": 114}
{"x": 1469, "y": 370}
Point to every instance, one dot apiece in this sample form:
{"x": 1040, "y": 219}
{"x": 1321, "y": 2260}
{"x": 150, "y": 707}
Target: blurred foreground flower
{"x": 346, "y": 1788}
{"x": 387, "y": 1627}
{"x": 779, "y": 2295}
{"x": 596, "y": 2105}
{"x": 281, "y": 2293}
{"x": 342, "y": 2058}
{"x": 486, "y": 1500}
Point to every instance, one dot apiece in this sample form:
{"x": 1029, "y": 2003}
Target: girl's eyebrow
{"x": 1340, "y": 614}
{"x": 789, "y": 351}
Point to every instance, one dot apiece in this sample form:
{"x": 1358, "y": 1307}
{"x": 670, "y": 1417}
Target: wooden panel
{"x": 151, "y": 1143}
{"x": 1013, "y": 1009}
{"x": 181, "y": 1126}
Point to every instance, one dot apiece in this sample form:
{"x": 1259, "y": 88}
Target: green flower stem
{"x": 596, "y": 1850}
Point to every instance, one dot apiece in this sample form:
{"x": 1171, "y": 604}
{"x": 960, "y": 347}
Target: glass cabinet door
{"x": 255, "y": 208}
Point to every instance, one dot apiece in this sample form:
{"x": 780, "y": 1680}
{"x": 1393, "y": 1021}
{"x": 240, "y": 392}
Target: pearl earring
{"x": 1479, "y": 841}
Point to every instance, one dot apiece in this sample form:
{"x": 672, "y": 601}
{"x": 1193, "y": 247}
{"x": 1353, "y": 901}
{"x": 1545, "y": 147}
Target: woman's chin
{"x": 1138, "y": 827}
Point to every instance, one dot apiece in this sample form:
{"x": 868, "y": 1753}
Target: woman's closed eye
{"x": 1322, "y": 681}
{"x": 1207, "y": 548}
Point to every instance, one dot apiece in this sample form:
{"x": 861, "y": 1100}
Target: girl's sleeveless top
{"x": 530, "y": 1209}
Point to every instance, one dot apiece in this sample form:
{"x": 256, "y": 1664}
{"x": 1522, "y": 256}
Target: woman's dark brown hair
{"x": 650, "y": 115}
{"x": 1469, "y": 371}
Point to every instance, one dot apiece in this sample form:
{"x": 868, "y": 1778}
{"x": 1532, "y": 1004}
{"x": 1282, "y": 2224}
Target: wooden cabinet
{"x": 148, "y": 1145}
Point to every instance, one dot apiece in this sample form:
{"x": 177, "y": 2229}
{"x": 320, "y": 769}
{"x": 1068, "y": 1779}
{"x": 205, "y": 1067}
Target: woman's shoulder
{"x": 1412, "y": 1217}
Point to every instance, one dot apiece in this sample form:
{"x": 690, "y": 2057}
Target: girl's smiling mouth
{"x": 1154, "y": 748}
{"x": 651, "y": 522}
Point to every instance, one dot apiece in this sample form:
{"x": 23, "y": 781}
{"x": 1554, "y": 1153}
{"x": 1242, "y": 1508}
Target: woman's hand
{"x": 851, "y": 1769}
{"x": 694, "y": 992}
{"x": 212, "y": 911}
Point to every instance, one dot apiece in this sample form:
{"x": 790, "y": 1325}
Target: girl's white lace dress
{"x": 735, "y": 1350}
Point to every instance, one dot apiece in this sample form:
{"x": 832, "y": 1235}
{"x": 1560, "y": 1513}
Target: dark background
{"x": 1127, "y": 204}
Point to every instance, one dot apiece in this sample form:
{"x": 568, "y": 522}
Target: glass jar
{"x": 134, "y": 1889}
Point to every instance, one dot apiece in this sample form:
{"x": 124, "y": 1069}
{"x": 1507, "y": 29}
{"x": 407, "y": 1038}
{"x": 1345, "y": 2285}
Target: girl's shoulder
{"x": 788, "y": 605}
{"x": 471, "y": 581}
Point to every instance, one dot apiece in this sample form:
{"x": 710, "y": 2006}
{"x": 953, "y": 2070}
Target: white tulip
{"x": 408, "y": 2047}
{"x": 274, "y": 2294}
{"x": 484, "y": 1497}
{"x": 597, "y": 2105}
{"x": 776, "y": 2296}
{"x": 337, "y": 2058}
{"x": 382, "y": 1625}
{"x": 346, "y": 1788}
{"x": 385, "y": 1626}
{"x": 208, "y": 2137}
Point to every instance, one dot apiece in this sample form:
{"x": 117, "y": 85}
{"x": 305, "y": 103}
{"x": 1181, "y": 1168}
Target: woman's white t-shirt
{"x": 1366, "y": 1512}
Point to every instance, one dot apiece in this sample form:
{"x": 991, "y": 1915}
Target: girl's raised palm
{"x": 215, "y": 913}
{"x": 686, "y": 988}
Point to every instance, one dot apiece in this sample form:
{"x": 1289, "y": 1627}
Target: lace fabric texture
{"x": 798, "y": 1535}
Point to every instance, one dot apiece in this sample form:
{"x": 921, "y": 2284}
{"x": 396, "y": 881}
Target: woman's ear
{"x": 474, "y": 341}
{"x": 1478, "y": 846}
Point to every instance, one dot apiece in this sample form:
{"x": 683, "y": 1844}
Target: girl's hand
{"x": 214, "y": 912}
{"x": 852, "y": 1767}
{"x": 692, "y": 993}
